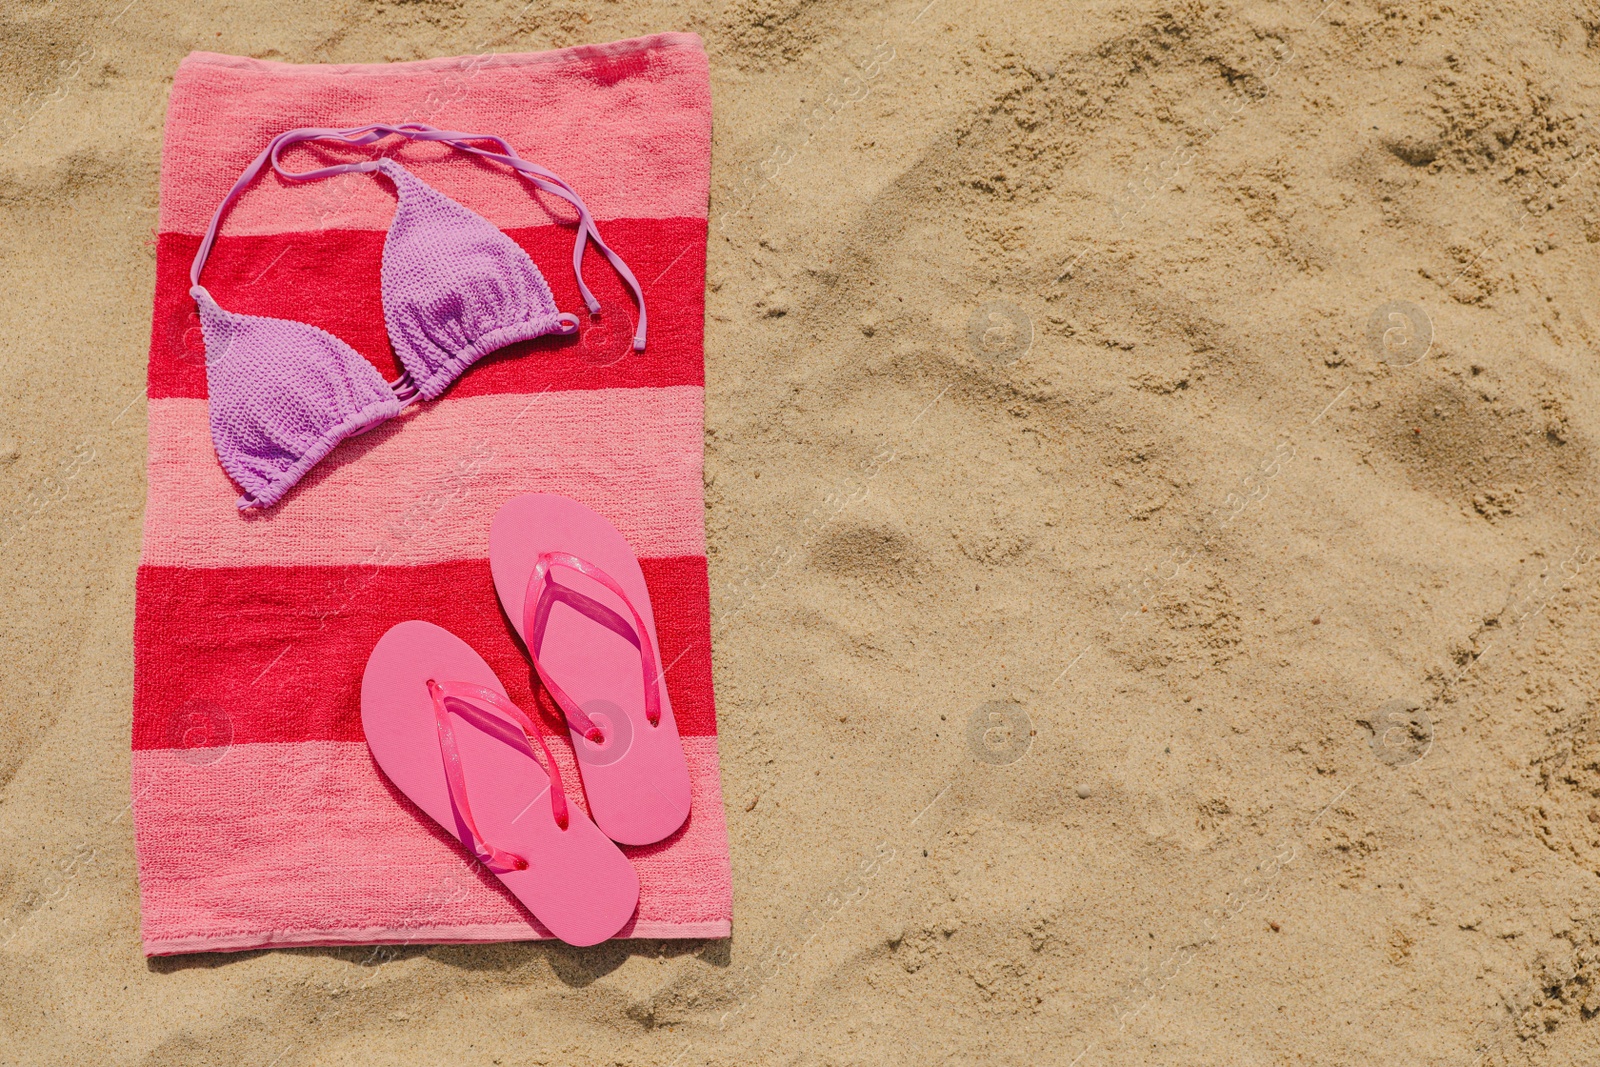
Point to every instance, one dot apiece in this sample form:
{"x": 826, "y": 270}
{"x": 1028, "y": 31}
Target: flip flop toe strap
{"x": 476, "y": 704}
{"x": 536, "y": 615}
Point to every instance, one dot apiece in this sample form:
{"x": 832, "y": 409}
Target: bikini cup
{"x": 282, "y": 394}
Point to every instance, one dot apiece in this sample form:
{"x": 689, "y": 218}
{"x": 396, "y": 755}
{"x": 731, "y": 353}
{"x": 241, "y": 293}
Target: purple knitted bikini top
{"x": 283, "y": 393}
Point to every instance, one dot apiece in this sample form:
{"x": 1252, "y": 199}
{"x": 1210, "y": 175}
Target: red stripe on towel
{"x": 332, "y": 279}
{"x": 245, "y": 655}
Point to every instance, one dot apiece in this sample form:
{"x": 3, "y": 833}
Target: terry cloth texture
{"x": 261, "y": 818}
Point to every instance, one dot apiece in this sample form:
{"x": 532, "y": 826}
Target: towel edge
{"x": 476, "y": 933}
{"x": 675, "y": 41}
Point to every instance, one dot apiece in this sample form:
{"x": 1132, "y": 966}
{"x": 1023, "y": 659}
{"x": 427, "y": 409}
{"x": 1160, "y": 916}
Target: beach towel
{"x": 260, "y": 816}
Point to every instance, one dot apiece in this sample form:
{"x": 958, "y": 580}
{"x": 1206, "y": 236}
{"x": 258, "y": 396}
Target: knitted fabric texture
{"x": 259, "y": 814}
{"x": 284, "y": 394}
{"x": 454, "y": 287}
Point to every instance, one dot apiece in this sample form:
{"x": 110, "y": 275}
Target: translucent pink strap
{"x": 536, "y": 613}
{"x": 467, "y": 699}
{"x": 416, "y": 131}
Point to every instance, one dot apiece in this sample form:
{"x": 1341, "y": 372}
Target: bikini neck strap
{"x": 501, "y": 152}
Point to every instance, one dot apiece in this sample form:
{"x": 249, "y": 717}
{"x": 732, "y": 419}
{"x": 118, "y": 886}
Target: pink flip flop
{"x": 441, "y": 727}
{"x": 573, "y": 589}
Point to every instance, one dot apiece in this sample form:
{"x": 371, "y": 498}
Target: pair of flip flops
{"x": 442, "y": 728}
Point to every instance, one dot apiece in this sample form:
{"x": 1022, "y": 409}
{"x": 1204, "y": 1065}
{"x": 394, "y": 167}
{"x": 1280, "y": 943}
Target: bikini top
{"x": 282, "y": 394}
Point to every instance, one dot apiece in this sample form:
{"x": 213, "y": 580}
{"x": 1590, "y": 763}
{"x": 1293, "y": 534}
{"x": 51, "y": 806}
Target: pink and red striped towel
{"x": 261, "y": 818}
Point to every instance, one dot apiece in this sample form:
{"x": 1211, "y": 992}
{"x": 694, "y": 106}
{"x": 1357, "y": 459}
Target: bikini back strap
{"x": 502, "y": 152}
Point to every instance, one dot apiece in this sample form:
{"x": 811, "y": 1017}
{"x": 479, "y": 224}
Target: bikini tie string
{"x": 542, "y": 179}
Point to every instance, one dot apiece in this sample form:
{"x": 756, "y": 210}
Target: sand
{"x": 1122, "y": 651}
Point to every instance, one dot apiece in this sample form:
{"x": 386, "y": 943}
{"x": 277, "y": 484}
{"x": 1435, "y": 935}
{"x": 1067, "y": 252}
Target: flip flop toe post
{"x": 572, "y": 587}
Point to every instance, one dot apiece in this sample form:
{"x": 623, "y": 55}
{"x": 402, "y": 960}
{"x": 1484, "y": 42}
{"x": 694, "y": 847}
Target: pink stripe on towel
{"x": 634, "y": 146}
{"x": 422, "y": 489}
{"x": 379, "y": 870}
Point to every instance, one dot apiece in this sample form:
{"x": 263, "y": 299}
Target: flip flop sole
{"x": 578, "y": 883}
{"x": 637, "y": 782}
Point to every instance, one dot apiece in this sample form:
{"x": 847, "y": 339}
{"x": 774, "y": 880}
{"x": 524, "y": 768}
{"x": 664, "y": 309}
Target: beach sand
{"x": 1150, "y": 463}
